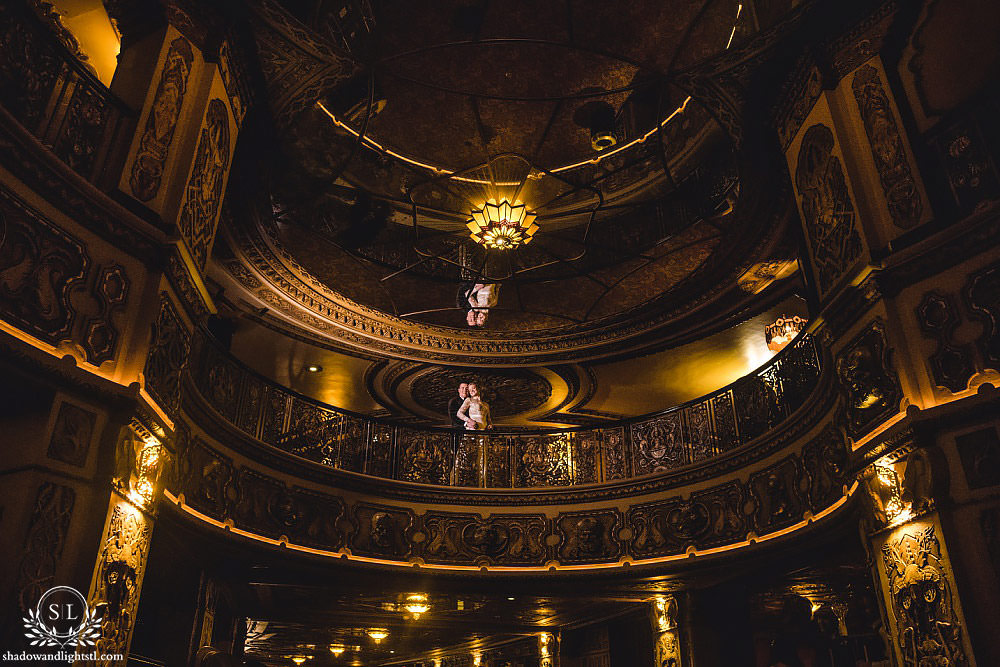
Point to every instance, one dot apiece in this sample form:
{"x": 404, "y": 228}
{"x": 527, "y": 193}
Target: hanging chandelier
{"x": 502, "y": 226}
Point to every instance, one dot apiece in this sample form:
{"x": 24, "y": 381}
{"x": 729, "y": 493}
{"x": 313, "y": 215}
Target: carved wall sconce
{"x": 144, "y": 481}
{"x": 887, "y": 490}
{"x": 782, "y": 331}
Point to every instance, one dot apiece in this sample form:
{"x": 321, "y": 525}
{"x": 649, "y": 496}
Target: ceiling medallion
{"x": 502, "y": 226}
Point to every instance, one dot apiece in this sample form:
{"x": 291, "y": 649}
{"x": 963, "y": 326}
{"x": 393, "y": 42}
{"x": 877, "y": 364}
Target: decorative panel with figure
{"x": 827, "y": 210}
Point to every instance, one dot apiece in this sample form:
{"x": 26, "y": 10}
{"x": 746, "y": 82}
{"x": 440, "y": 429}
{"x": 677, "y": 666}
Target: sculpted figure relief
{"x": 898, "y": 184}
{"x": 147, "y": 170}
{"x": 827, "y": 209}
{"x": 927, "y": 625}
{"x": 204, "y": 189}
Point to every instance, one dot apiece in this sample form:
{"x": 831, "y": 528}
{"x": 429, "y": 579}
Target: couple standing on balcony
{"x": 468, "y": 410}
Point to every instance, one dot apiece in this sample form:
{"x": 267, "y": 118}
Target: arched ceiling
{"x": 347, "y": 227}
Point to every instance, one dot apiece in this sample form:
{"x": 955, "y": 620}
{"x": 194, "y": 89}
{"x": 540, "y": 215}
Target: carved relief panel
{"x": 262, "y": 504}
{"x": 146, "y": 174}
{"x": 658, "y": 444}
{"x": 500, "y": 539}
{"x": 72, "y": 434}
{"x": 114, "y": 590}
{"x": 206, "y": 184}
{"x": 51, "y": 287}
{"x": 43, "y": 542}
{"x": 925, "y": 617}
{"x": 824, "y": 459}
{"x": 380, "y": 531}
{"x": 586, "y": 457}
{"x": 543, "y": 460}
{"x": 424, "y": 456}
{"x": 828, "y": 212}
{"x": 317, "y": 519}
{"x": 587, "y": 537}
{"x": 207, "y": 480}
{"x": 899, "y": 185}
{"x": 951, "y": 364}
{"x": 616, "y": 460}
{"x": 982, "y": 296}
{"x": 707, "y": 519}
{"x": 468, "y": 461}
{"x": 778, "y": 496}
{"x": 868, "y": 380}
{"x": 168, "y": 357}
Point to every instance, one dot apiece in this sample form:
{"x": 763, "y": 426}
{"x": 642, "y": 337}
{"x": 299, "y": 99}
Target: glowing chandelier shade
{"x": 502, "y": 225}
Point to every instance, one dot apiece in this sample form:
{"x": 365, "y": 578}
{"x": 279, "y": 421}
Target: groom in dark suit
{"x": 455, "y": 403}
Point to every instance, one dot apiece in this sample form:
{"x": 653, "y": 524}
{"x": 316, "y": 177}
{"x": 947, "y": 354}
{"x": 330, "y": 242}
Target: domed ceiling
{"x": 350, "y": 227}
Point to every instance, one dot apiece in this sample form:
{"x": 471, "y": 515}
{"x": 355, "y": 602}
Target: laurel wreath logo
{"x": 42, "y": 635}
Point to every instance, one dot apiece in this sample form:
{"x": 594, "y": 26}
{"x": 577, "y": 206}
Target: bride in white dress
{"x": 475, "y": 412}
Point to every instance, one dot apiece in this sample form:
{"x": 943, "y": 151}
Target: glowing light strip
{"x": 733, "y": 33}
{"x": 626, "y": 562}
{"x": 86, "y": 367}
{"x": 371, "y": 143}
{"x": 882, "y": 428}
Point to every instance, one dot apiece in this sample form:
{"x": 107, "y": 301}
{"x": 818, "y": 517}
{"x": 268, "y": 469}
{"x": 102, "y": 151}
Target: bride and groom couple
{"x": 468, "y": 410}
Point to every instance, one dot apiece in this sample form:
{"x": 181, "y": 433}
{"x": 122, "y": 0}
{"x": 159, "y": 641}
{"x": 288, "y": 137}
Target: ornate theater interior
{"x": 498, "y": 333}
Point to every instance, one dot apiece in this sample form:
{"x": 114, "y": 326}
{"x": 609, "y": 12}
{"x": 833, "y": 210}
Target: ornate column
{"x": 665, "y": 616}
{"x": 141, "y": 457}
{"x": 548, "y": 650}
{"x": 904, "y": 279}
{"x": 92, "y": 335}
{"x": 191, "y": 103}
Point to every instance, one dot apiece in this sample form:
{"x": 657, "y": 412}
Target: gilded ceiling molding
{"x": 304, "y": 303}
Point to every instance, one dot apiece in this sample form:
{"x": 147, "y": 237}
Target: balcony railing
{"x": 686, "y": 434}
{"x": 52, "y": 95}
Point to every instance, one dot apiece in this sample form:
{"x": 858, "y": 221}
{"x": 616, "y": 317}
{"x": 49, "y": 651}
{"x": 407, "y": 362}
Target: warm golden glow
{"x": 502, "y": 225}
{"x": 378, "y": 634}
{"x": 143, "y": 489}
{"x": 299, "y": 659}
{"x": 477, "y": 659}
{"x": 515, "y": 568}
{"x": 416, "y": 604}
{"x": 781, "y": 333}
{"x": 336, "y": 650}
{"x": 545, "y": 644}
{"x": 896, "y": 510}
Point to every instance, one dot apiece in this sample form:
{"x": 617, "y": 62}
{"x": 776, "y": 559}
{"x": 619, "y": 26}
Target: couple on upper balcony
{"x": 472, "y": 413}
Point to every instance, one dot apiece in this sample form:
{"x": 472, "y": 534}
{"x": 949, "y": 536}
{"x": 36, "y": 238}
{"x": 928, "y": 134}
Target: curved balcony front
{"x": 754, "y": 461}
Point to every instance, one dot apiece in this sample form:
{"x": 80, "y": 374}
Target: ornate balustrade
{"x": 687, "y": 434}
{"x": 51, "y": 94}
{"x": 753, "y": 461}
